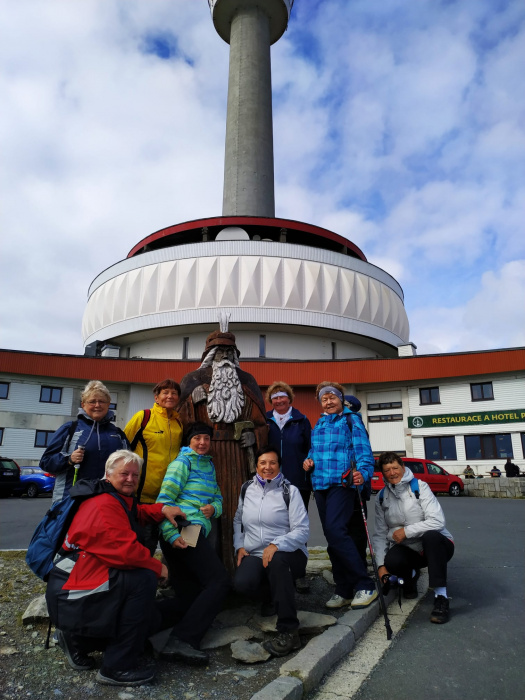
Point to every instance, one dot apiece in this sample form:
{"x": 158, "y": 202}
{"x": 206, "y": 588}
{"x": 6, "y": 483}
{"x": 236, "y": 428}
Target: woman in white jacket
{"x": 410, "y": 533}
{"x": 270, "y": 531}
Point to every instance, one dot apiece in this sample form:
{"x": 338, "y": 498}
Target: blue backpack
{"x": 414, "y": 485}
{"x": 51, "y": 531}
{"x": 49, "y": 536}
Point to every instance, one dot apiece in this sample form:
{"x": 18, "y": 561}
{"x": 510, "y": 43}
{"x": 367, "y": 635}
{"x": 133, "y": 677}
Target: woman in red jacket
{"x": 101, "y": 591}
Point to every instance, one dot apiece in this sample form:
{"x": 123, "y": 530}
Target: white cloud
{"x": 496, "y": 311}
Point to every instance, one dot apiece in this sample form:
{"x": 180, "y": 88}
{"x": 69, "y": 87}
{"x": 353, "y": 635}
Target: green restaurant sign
{"x": 515, "y": 415}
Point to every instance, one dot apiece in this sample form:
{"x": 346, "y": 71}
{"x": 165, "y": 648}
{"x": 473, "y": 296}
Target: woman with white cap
{"x": 339, "y": 440}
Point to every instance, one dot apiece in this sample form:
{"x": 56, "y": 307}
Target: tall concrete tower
{"x": 294, "y": 291}
{"x": 250, "y": 27}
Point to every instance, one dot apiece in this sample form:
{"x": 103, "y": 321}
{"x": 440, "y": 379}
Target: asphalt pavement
{"x": 478, "y": 654}
{"x": 20, "y": 516}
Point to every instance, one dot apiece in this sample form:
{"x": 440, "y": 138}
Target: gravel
{"x": 28, "y": 670}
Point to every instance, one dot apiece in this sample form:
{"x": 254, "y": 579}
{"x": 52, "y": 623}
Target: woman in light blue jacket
{"x": 271, "y": 529}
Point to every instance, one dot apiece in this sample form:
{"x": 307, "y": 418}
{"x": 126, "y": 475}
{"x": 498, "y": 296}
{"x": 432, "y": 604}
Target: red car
{"x": 439, "y": 480}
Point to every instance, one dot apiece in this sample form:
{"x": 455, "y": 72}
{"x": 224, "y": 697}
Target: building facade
{"x": 456, "y": 409}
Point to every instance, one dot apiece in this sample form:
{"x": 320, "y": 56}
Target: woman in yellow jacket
{"x": 156, "y": 435}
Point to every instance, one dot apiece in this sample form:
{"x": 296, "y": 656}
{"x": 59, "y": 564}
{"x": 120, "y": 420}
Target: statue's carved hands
{"x": 247, "y": 439}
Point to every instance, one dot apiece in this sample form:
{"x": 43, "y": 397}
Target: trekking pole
{"x": 382, "y": 603}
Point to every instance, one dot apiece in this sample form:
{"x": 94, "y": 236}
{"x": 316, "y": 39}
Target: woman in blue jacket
{"x": 290, "y": 431}
{"x": 79, "y": 449}
{"x": 339, "y": 441}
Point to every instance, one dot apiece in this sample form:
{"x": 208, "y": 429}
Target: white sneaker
{"x": 362, "y": 599}
{"x": 336, "y": 601}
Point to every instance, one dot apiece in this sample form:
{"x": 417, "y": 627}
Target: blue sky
{"x": 399, "y": 125}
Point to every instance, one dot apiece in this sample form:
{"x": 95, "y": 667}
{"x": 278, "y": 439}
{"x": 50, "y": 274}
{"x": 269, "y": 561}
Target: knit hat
{"x": 198, "y": 429}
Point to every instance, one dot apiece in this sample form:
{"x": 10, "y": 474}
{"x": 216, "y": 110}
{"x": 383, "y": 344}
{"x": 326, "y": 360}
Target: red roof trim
{"x": 297, "y": 374}
{"x": 246, "y": 221}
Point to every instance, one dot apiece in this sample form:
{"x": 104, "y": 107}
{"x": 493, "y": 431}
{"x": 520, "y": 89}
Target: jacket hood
{"x": 403, "y": 484}
{"x": 110, "y": 416}
{"x": 91, "y": 487}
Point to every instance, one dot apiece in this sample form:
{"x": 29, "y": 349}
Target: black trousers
{"x": 200, "y": 582}
{"x": 139, "y": 616}
{"x": 336, "y": 506}
{"x": 437, "y": 552}
{"x": 275, "y": 583}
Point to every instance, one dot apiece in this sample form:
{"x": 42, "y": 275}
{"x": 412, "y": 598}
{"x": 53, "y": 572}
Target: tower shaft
{"x": 248, "y": 163}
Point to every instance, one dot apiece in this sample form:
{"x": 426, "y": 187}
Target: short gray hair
{"x": 126, "y": 456}
{"x": 95, "y": 387}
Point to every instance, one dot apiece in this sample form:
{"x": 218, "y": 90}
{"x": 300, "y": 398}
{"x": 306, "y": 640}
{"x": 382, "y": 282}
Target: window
{"x": 334, "y": 351}
{"x": 390, "y": 417}
{"x": 43, "y": 437}
{"x": 440, "y": 447}
{"x": 488, "y": 446}
{"x": 430, "y": 395}
{"x": 482, "y": 392}
{"x": 384, "y": 406}
{"x": 262, "y": 346}
{"x": 416, "y": 467}
{"x": 50, "y": 394}
{"x": 1, "y": 435}
{"x": 113, "y": 407}
{"x": 185, "y": 348}
{"x": 4, "y": 390}
{"x": 435, "y": 470}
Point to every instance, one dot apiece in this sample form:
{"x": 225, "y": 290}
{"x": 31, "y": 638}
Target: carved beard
{"x": 225, "y": 396}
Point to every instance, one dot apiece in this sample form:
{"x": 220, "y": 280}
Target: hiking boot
{"x": 410, "y": 587}
{"x": 302, "y": 585}
{"x": 283, "y": 643}
{"x": 440, "y": 612}
{"x": 132, "y": 677}
{"x": 362, "y": 599}
{"x": 337, "y": 601}
{"x": 177, "y": 649}
{"x": 75, "y": 658}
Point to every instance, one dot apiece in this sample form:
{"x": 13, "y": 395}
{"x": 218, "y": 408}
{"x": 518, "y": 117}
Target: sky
{"x": 399, "y": 125}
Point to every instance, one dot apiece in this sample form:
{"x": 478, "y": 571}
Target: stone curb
{"x": 301, "y": 674}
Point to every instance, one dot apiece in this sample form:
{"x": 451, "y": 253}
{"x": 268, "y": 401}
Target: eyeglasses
{"x": 97, "y": 402}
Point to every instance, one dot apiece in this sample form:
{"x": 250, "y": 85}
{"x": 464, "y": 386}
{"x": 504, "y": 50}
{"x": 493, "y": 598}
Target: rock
{"x": 36, "y": 611}
{"x": 249, "y": 653}
{"x": 8, "y": 651}
{"x": 235, "y": 616}
{"x": 328, "y": 576}
{"x": 249, "y": 673}
{"x": 314, "y": 623}
{"x": 266, "y": 624}
{"x": 216, "y": 638}
{"x": 125, "y": 696}
{"x": 316, "y": 566}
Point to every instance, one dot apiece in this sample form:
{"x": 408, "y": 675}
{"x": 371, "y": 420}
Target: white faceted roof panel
{"x": 243, "y": 282}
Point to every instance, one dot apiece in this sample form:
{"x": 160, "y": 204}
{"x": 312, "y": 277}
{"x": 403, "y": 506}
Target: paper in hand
{"x": 190, "y": 534}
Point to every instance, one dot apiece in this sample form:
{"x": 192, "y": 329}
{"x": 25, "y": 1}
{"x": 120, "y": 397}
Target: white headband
{"x": 279, "y": 393}
{"x": 330, "y": 390}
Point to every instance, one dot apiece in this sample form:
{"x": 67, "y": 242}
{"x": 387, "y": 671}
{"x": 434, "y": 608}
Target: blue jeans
{"x": 336, "y": 506}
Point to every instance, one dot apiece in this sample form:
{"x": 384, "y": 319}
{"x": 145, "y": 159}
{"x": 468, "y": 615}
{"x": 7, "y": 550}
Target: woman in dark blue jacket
{"x": 290, "y": 431}
{"x": 79, "y": 449}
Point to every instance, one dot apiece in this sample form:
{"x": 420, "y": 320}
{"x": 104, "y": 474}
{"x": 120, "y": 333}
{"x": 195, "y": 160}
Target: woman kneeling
{"x": 271, "y": 529}
{"x": 410, "y": 533}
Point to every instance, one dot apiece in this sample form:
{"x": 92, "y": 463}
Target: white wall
{"x": 24, "y": 397}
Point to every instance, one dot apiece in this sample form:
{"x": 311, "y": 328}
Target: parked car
{"x": 439, "y": 480}
{"x": 9, "y": 476}
{"x": 33, "y": 482}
